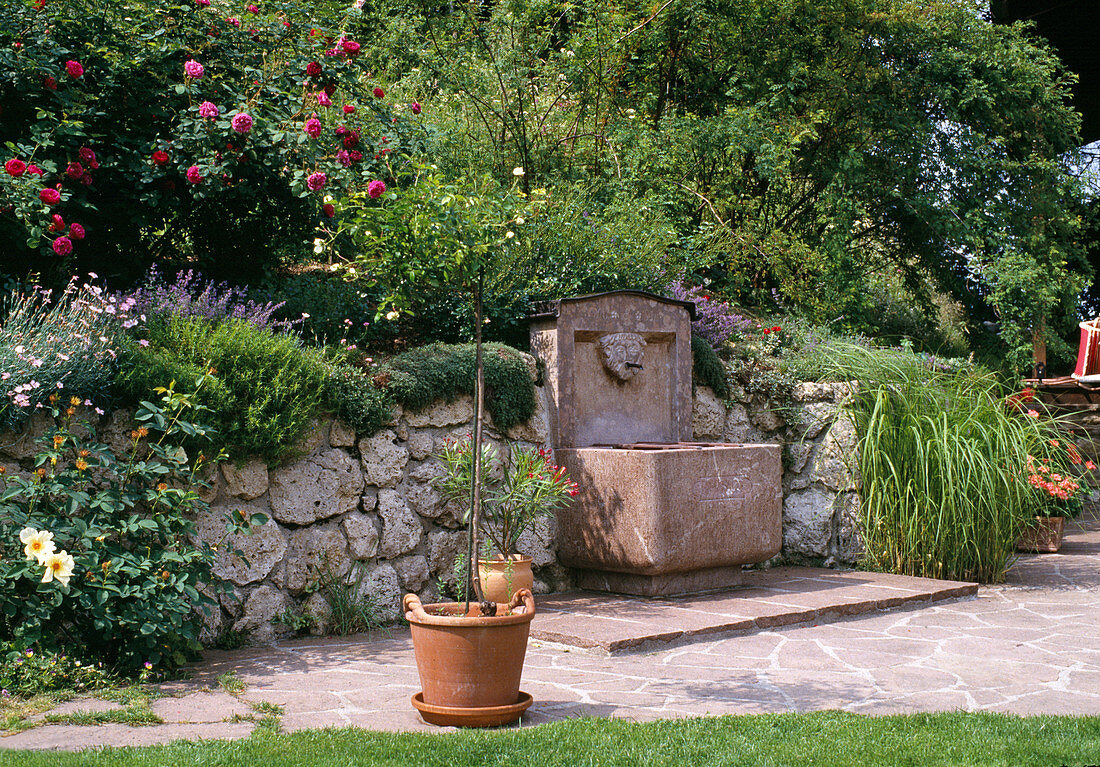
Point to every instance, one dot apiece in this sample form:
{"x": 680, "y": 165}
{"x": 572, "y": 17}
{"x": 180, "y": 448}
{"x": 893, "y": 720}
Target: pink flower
{"x": 350, "y": 47}
{"x": 378, "y": 92}
{"x": 313, "y": 127}
{"x": 50, "y": 196}
{"x": 1033, "y": 414}
{"x": 313, "y": 69}
{"x": 253, "y": 9}
{"x": 76, "y": 231}
{"x": 323, "y": 99}
{"x": 415, "y": 107}
{"x": 376, "y": 188}
{"x": 349, "y": 109}
{"x": 34, "y": 170}
{"x": 316, "y": 181}
{"x": 62, "y": 246}
{"x": 58, "y": 223}
{"x": 234, "y": 21}
{"x": 242, "y": 122}
{"x": 343, "y": 158}
{"x": 74, "y": 68}
{"x": 208, "y": 109}
{"x": 193, "y": 69}
{"x": 74, "y": 170}
{"x": 15, "y": 167}
{"x": 202, "y": 3}
{"x": 194, "y": 174}
{"x": 328, "y": 209}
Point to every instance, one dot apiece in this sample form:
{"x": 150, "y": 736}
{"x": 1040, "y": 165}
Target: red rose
{"x": 349, "y": 109}
{"x": 329, "y": 89}
{"x": 160, "y": 157}
{"x": 351, "y": 140}
{"x": 50, "y": 196}
{"x": 74, "y": 68}
{"x": 15, "y": 167}
{"x": 378, "y": 92}
{"x": 62, "y": 246}
{"x": 58, "y": 223}
{"x": 74, "y": 171}
{"x": 350, "y": 47}
{"x": 415, "y": 107}
{"x": 50, "y": 83}
{"x": 313, "y": 69}
{"x": 76, "y": 231}
{"x": 328, "y": 209}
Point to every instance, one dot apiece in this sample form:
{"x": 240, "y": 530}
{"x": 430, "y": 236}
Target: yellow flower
{"x": 60, "y": 566}
{"x": 38, "y": 544}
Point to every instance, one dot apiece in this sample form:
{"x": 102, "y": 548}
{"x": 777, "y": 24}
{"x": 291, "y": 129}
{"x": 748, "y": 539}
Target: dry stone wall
{"x": 363, "y": 508}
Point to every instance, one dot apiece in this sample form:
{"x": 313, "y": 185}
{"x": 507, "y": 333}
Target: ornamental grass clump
{"x": 942, "y": 457}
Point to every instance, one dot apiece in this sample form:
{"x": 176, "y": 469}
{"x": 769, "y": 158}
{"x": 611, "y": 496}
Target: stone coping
{"x": 766, "y": 599}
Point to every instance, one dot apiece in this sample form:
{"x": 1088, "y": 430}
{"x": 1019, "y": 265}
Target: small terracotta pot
{"x": 502, "y": 578}
{"x": 1045, "y": 537}
{"x": 470, "y": 665}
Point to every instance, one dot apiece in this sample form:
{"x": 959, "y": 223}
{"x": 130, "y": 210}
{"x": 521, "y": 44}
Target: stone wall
{"x": 363, "y": 506}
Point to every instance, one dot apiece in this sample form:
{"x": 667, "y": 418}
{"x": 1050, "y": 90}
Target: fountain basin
{"x": 667, "y": 519}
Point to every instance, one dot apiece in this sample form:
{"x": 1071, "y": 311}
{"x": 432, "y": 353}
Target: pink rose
{"x": 194, "y": 174}
{"x": 323, "y": 99}
{"x": 242, "y": 122}
{"x": 76, "y": 231}
{"x": 50, "y": 196}
{"x": 58, "y": 223}
{"x": 253, "y": 9}
{"x": 15, "y": 167}
{"x": 208, "y": 109}
{"x": 343, "y": 158}
{"x": 193, "y": 69}
{"x": 378, "y": 92}
{"x": 74, "y": 68}
{"x": 34, "y": 170}
{"x": 350, "y": 47}
{"x": 316, "y": 181}
{"x": 313, "y": 127}
{"x": 62, "y": 246}
{"x": 376, "y": 188}
{"x": 415, "y": 107}
{"x": 313, "y": 69}
{"x": 349, "y": 109}
{"x": 74, "y": 171}
{"x": 202, "y": 3}
{"x": 234, "y": 21}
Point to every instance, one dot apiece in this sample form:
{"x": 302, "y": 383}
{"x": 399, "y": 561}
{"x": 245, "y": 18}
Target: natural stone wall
{"x": 363, "y": 508}
{"x": 820, "y": 502}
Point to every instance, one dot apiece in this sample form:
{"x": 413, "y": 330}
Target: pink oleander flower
{"x": 350, "y": 47}
{"x": 349, "y": 109}
{"x": 193, "y": 69}
{"x": 415, "y": 107}
{"x": 323, "y": 99}
{"x": 76, "y": 231}
{"x": 376, "y": 189}
{"x": 50, "y": 196}
{"x": 194, "y": 174}
{"x": 208, "y": 109}
{"x": 378, "y": 92}
{"x": 316, "y": 181}
{"x": 62, "y": 246}
{"x": 313, "y": 69}
{"x": 15, "y": 167}
{"x": 242, "y": 122}
{"x": 313, "y": 127}
{"x": 74, "y": 68}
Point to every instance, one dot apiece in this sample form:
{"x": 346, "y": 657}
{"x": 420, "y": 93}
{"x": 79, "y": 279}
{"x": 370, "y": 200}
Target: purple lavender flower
{"x": 192, "y": 296}
{"x": 715, "y": 321}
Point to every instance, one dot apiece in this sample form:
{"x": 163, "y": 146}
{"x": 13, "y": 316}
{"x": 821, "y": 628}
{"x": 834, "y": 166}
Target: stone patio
{"x": 1029, "y": 646}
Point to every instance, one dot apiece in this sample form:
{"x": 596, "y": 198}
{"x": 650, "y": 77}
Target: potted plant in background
{"x": 515, "y": 493}
{"x": 1061, "y": 494}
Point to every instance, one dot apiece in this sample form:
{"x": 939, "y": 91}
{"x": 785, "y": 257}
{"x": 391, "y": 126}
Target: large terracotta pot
{"x": 470, "y": 665}
{"x": 1045, "y": 537}
{"x": 503, "y": 578}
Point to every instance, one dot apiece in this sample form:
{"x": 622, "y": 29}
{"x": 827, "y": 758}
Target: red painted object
{"x": 1088, "y": 353}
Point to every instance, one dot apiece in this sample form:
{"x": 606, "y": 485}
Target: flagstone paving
{"x": 1029, "y": 646}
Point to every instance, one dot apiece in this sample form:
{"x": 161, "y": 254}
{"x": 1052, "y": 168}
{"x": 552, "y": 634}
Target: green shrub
{"x": 351, "y": 396}
{"x": 96, "y": 555}
{"x": 25, "y": 672}
{"x": 707, "y": 369}
{"x": 419, "y": 377}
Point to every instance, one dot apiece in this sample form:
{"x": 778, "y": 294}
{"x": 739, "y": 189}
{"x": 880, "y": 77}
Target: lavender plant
{"x": 192, "y": 296}
{"x": 51, "y": 344}
{"x": 715, "y": 321}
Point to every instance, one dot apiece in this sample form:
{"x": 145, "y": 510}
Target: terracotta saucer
{"x": 481, "y": 716}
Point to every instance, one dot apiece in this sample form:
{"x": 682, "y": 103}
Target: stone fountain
{"x": 657, "y": 514}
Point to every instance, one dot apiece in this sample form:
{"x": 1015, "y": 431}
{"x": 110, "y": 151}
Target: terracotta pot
{"x": 502, "y": 578}
{"x": 470, "y": 665}
{"x": 1045, "y": 537}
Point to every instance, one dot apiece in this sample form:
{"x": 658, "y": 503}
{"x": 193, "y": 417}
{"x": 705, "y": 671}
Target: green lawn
{"x": 826, "y": 738}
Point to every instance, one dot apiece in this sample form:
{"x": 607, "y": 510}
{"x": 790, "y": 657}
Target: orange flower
{"x": 81, "y": 464}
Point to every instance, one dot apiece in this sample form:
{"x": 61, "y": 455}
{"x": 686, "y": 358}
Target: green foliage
{"x": 48, "y": 342}
{"x": 125, "y": 583}
{"x": 707, "y": 369}
{"x": 943, "y": 459}
{"x": 350, "y": 395}
{"x": 354, "y": 608}
{"x": 25, "y": 672}
{"x": 419, "y": 377}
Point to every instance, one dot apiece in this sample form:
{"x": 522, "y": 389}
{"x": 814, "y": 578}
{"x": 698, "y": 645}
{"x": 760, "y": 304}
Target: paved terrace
{"x": 790, "y": 640}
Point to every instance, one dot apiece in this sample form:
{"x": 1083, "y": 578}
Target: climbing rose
{"x": 349, "y": 109}
{"x": 62, "y": 246}
{"x": 234, "y": 21}
{"x": 15, "y": 167}
{"x": 50, "y": 83}
{"x": 253, "y": 9}
{"x": 343, "y": 158}
{"x": 88, "y": 156}
{"x": 242, "y": 122}
{"x": 313, "y": 69}
{"x": 316, "y": 180}
{"x": 328, "y": 209}
{"x": 74, "y": 68}
{"x": 208, "y": 109}
{"x": 34, "y": 170}
{"x": 76, "y": 231}
{"x": 74, "y": 171}
{"x": 193, "y": 69}
{"x": 378, "y": 92}
{"x": 376, "y": 188}
{"x": 323, "y": 99}
{"x": 50, "y": 196}
{"x": 58, "y": 224}
{"x": 194, "y": 174}
{"x": 350, "y": 47}
{"x": 313, "y": 127}
{"x": 160, "y": 157}
{"x": 415, "y": 107}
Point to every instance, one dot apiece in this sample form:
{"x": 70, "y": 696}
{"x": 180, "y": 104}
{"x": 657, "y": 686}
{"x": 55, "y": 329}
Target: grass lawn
{"x": 825, "y": 738}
